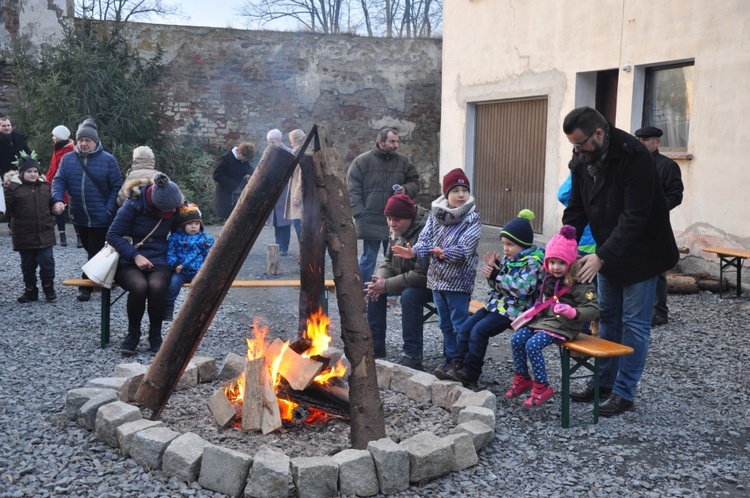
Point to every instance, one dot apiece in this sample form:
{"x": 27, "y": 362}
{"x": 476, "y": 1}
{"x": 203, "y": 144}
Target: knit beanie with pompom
{"x": 165, "y": 194}
{"x": 562, "y": 246}
{"x": 519, "y": 229}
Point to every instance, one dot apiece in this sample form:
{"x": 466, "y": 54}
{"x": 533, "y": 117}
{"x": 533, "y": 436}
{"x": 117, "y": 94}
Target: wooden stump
{"x": 273, "y": 266}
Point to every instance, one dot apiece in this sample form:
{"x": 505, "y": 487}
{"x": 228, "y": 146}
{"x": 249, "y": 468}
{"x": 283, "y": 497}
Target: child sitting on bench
{"x": 561, "y": 311}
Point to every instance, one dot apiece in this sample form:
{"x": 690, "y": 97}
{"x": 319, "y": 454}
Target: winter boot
{"x": 441, "y": 372}
{"x": 130, "y": 344}
{"x": 49, "y": 293}
{"x": 29, "y": 295}
{"x": 169, "y": 311}
{"x": 154, "y": 338}
{"x": 79, "y": 243}
{"x": 521, "y": 384}
{"x": 63, "y": 240}
{"x": 540, "y": 392}
{"x": 84, "y": 294}
{"x": 468, "y": 380}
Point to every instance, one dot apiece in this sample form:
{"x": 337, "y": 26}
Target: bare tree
{"x": 124, "y": 10}
{"x": 404, "y": 18}
{"x": 319, "y": 16}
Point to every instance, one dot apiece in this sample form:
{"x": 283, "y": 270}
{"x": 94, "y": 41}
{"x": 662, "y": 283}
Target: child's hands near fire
{"x": 565, "y": 310}
{"x": 491, "y": 259}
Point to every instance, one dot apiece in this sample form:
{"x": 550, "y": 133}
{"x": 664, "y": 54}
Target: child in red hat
{"x": 563, "y": 307}
{"x": 449, "y": 240}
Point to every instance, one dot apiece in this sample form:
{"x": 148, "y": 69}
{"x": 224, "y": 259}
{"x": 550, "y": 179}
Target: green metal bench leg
{"x": 567, "y": 374}
{"x": 565, "y": 409}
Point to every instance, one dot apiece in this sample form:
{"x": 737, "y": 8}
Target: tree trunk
{"x": 313, "y": 240}
{"x": 367, "y": 418}
{"x": 215, "y": 278}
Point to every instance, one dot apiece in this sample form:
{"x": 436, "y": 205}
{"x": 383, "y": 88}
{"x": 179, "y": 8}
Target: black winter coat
{"x": 10, "y": 150}
{"x": 627, "y": 211}
{"x": 670, "y": 177}
{"x": 228, "y": 174}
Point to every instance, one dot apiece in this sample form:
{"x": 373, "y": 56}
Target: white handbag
{"x": 102, "y": 267}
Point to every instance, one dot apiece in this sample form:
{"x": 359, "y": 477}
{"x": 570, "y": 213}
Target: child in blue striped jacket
{"x": 450, "y": 239}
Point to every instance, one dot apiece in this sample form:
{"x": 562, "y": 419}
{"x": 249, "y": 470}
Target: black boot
{"x": 84, "y": 294}
{"x": 49, "y": 293}
{"x": 130, "y": 344}
{"x": 154, "y": 338}
{"x": 29, "y": 295}
{"x": 63, "y": 240}
{"x": 79, "y": 244}
{"x": 169, "y": 311}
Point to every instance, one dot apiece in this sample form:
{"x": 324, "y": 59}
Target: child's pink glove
{"x": 565, "y": 310}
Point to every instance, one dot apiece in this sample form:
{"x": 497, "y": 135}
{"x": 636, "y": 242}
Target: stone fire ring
{"x": 103, "y": 405}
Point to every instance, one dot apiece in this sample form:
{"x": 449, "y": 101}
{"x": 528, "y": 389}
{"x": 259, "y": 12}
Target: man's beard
{"x": 586, "y": 157}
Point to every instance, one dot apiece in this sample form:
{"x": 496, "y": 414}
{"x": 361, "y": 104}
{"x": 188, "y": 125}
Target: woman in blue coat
{"x": 147, "y": 218}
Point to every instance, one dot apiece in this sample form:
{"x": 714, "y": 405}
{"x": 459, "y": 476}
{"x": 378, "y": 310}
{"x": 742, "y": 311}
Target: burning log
{"x": 299, "y": 372}
{"x": 260, "y": 410}
{"x": 222, "y": 409}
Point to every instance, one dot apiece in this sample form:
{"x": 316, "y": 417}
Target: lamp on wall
{"x": 627, "y": 67}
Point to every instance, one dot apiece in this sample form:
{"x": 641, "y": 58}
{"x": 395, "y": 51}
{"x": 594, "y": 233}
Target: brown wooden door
{"x": 509, "y": 160}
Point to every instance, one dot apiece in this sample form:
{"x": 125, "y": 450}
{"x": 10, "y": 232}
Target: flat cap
{"x": 648, "y": 131}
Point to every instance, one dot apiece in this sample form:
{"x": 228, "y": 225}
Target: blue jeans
{"x": 369, "y": 257}
{"x": 175, "y": 284}
{"x": 453, "y": 311}
{"x": 474, "y": 336}
{"x": 44, "y": 259}
{"x": 413, "y": 300}
{"x": 625, "y": 318}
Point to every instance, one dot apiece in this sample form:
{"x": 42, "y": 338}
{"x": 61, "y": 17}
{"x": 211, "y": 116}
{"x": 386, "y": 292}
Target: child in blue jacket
{"x": 188, "y": 248}
{"x": 514, "y": 282}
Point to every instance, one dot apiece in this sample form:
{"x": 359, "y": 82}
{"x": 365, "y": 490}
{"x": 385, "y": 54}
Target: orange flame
{"x": 338, "y": 370}
{"x": 317, "y": 334}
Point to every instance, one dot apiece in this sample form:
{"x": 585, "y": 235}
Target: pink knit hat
{"x": 562, "y": 246}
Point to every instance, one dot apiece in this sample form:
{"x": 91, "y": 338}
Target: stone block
{"x": 115, "y": 383}
{"x": 481, "y": 435}
{"x": 383, "y": 370}
{"x": 400, "y": 376}
{"x": 391, "y": 464}
{"x": 315, "y": 477}
{"x": 127, "y": 431}
{"x": 441, "y": 390}
{"x": 111, "y": 416}
{"x": 455, "y": 394}
{"x": 419, "y": 387}
{"x": 182, "y": 458}
{"x": 480, "y": 413}
{"x": 87, "y": 412}
{"x": 224, "y": 470}
{"x": 233, "y": 366}
{"x": 482, "y": 398}
{"x": 130, "y": 369}
{"x": 148, "y": 446}
{"x": 269, "y": 475}
{"x": 189, "y": 378}
{"x": 464, "y": 453}
{"x": 207, "y": 371}
{"x": 357, "y": 474}
{"x": 429, "y": 456}
{"x": 76, "y": 398}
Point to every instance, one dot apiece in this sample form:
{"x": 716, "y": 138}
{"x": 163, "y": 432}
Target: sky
{"x": 215, "y": 13}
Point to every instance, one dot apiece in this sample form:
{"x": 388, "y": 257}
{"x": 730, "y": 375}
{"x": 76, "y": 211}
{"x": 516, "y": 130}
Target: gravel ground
{"x": 688, "y": 436}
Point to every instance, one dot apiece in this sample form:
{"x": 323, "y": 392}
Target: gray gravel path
{"x": 687, "y": 438}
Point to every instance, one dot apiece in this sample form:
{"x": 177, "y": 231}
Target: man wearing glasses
{"x": 615, "y": 188}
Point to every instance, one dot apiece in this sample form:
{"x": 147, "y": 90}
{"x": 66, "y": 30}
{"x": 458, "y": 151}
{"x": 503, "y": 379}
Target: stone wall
{"x": 228, "y": 85}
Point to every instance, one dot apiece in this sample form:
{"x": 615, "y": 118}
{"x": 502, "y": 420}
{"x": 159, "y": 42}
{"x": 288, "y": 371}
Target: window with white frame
{"x": 668, "y": 95}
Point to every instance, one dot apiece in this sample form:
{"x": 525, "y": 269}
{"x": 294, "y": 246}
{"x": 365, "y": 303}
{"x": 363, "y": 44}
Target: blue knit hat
{"x": 519, "y": 229}
{"x": 165, "y": 194}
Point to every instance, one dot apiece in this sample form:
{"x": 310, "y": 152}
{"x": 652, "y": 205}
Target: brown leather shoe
{"x": 586, "y": 393}
{"x": 615, "y": 405}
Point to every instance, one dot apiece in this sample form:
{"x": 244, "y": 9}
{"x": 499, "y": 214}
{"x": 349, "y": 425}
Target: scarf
{"x": 446, "y": 215}
{"x": 597, "y": 165}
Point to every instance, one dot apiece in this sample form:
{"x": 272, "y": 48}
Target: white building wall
{"x": 495, "y": 50}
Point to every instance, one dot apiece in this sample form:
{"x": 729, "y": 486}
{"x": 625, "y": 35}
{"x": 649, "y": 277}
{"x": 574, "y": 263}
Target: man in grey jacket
{"x": 372, "y": 179}
{"x": 404, "y": 277}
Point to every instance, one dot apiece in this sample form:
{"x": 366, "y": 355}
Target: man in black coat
{"x": 671, "y": 182}
{"x": 231, "y": 171}
{"x": 11, "y": 145}
{"x": 616, "y": 190}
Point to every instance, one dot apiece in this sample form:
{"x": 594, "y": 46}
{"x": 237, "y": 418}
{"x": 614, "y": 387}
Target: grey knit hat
{"x": 61, "y": 131}
{"x": 165, "y": 194}
{"x": 87, "y": 129}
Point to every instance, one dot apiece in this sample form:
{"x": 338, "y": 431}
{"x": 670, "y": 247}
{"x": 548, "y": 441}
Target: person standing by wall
{"x": 11, "y": 145}
{"x": 229, "y": 172}
{"x": 616, "y": 190}
{"x": 282, "y": 227}
{"x": 671, "y": 182}
{"x": 293, "y": 207}
{"x": 92, "y": 178}
{"x": 370, "y": 181}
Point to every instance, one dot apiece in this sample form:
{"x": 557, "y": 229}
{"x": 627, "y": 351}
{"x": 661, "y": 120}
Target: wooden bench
{"x": 106, "y": 299}
{"x": 729, "y": 258}
{"x": 588, "y": 351}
